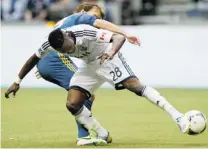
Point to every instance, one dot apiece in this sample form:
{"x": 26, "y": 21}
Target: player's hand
{"x": 105, "y": 56}
{"x": 133, "y": 40}
{"x": 38, "y": 75}
{"x": 12, "y": 89}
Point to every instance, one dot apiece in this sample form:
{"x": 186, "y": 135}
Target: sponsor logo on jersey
{"x": 103, "y": 36}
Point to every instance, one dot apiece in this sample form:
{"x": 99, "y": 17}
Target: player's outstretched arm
{"x": 99, "y": 23}
{"x": 30, "y": 63}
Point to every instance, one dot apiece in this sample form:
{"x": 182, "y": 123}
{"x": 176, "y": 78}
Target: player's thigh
{"x": 57, "y": 69}
{"x": 116, "y": 71}
{"x": 86, "y": 80}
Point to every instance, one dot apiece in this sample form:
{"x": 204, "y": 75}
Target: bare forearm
{"x": 30, "y": 63}
{"x": 109, "y": 26}
{"x": 117, "y": 43}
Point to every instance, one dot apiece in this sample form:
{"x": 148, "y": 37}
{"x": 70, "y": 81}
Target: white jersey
{"x": 90, "y": 42}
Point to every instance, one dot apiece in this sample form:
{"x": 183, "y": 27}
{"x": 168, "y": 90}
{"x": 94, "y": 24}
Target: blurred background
{"x": 123, "y": 12}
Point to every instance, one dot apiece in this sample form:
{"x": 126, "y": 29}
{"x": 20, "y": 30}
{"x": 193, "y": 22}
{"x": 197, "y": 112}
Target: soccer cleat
{"x": 183, "y": 123}
{"x": 90, "y": 141}
{"x": 99, "y": 142}
{"x": 93, "y": 139}
{"x": 84, "y": 141}
{"x": 108, "y": 138}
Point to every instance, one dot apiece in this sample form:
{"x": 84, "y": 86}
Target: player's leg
{"x": 58, "y": 69}
{"x": 82, "y": 131}
{"x": 152, "y": 95}
{"x": 122, "y": 77}
{"x": 82, "y": 85}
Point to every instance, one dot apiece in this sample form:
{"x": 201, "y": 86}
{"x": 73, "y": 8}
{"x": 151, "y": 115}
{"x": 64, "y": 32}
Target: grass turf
{"x": 38, "y": 118}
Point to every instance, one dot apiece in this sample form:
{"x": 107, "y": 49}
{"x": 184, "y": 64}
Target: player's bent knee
{"x": 75, "y": 100}
{"x": 73, "y": 107}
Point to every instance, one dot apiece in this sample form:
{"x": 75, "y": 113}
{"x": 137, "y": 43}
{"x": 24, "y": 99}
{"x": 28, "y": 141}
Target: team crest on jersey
{"x": 81, "y": 51}
{"x": 82, "y": 55}
{"x": 82, "y": 48}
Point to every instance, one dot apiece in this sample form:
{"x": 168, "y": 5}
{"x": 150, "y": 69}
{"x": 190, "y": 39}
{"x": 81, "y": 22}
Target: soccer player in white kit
{"x": 99, "y": 49}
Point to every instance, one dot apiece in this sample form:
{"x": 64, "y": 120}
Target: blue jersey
{"x": 58, "y": 68}
{"x": 75, "y": 19}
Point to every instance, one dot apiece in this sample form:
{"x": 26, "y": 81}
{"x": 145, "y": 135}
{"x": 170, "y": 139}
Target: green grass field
{"x": 38, "y": 118}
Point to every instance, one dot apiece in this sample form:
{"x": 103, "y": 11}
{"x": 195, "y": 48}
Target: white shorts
{"x": 93, "y": 75}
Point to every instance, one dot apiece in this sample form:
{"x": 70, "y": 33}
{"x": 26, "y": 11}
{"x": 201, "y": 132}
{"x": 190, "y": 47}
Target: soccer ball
{"x": 197, "y": 121}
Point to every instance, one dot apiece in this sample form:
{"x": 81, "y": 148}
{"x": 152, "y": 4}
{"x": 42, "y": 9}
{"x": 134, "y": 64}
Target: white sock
{"x": 155, "y": 97}
{"x": 84, "y": 116}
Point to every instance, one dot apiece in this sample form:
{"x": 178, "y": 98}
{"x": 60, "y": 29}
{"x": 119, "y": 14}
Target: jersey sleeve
{"x": 98, "y": 35}
{"x": 44, "y": 48}
{"x": 86, "y": 19}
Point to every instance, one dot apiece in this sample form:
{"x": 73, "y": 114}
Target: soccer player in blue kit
{"x": 59, "y": 68}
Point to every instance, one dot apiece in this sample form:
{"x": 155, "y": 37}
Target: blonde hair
{"x": 87, "y": 7}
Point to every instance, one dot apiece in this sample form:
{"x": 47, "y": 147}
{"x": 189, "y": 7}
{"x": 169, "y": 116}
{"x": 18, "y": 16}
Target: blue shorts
{"x": 57, "y": 68}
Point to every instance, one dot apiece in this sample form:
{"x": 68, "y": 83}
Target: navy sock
{"x": 82, "y": 131}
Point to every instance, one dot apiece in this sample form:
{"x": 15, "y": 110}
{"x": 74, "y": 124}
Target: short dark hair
{"x": 56, "y": 39}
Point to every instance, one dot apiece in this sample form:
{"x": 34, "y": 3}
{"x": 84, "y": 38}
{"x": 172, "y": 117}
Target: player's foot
{"x": 97, "y": 140}
{"x": 183, "y": 124}
{"x": 108, "y": 138}
{"x": 90, "y": 141}
{"x": 84, "y": 141}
